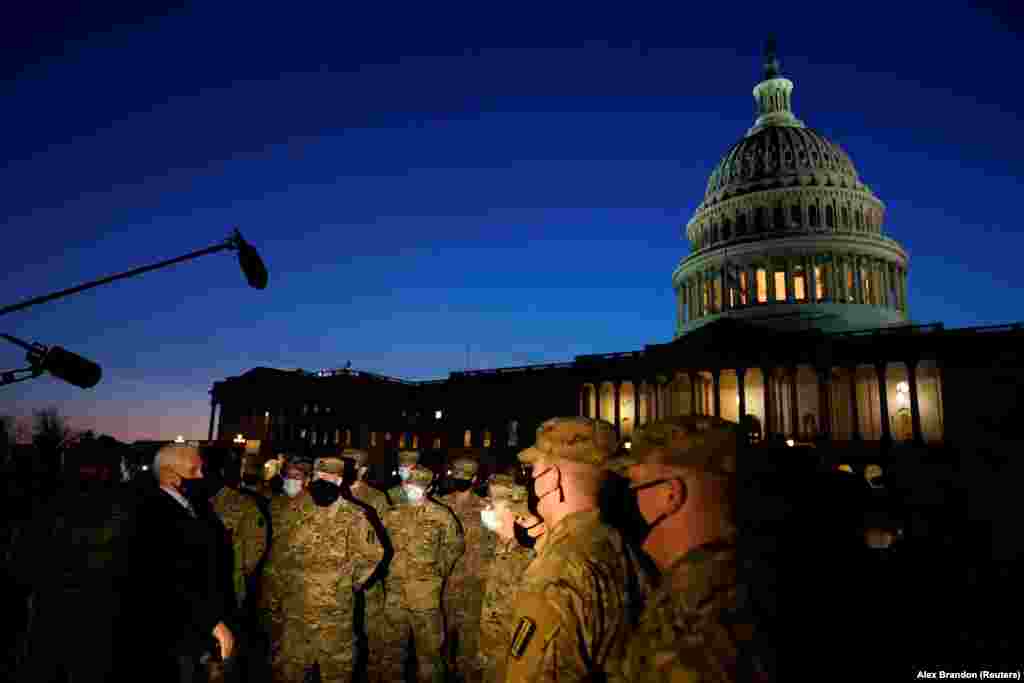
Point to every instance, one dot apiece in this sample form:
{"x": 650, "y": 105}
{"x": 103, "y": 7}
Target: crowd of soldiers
{"x": 548, "y": 571}
{"x": 582, "y": 561}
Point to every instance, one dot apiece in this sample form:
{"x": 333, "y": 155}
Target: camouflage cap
{"x": 464, "y": 468}
{"x": 303, "y": 464}
{"x": 360, "y": 457}
{"x": 579, "y": 439}
{"x": 503, "y": 487}
{"x": 330, "y": 464}
{"x": 421, "y": 476}
{"x": 408, "y": 458}
{"x": 697, "y": 441}
{"x": 872, "y": 471}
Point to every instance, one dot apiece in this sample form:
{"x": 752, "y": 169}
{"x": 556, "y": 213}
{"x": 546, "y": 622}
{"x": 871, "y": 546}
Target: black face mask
{"x": 461, "y": 485}
{"x": 634, "y": 526}
{"x": 324, "y": 493}
{"x": 522, "y": 534}
{"x": 214, "y": 481}
{"x": 481, "y": 489}
{"x": 195, "y": 489}
{"x": 277, "y": 484}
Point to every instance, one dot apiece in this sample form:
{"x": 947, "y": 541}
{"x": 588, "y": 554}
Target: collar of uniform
{"x": 570, "y": 525}
{"x": 703, "y": 552}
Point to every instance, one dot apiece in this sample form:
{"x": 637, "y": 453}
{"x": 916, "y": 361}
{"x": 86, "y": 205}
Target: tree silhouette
{"x": 50, "y": 435}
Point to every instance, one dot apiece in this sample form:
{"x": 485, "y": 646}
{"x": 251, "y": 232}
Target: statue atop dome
{"x": 771, "y": 61}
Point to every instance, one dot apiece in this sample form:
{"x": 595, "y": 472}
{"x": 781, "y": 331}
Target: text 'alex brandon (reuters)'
{"x": 963, "y": 675}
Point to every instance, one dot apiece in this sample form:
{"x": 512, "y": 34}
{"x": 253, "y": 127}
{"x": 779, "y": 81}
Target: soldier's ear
{"x": 676, "y": 496}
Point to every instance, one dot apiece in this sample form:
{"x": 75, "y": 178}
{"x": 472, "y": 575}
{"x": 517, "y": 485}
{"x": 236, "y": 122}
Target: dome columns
{"x": 795, "y": 274}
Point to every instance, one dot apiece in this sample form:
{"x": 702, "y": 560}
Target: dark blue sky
{"x": 422, "y": 177}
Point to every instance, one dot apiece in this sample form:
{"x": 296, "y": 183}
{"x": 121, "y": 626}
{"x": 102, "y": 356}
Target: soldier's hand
{"x": 225, "y": 639}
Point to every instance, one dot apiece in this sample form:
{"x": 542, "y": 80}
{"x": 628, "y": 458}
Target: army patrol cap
{"x": 359, "y": 457}
{"x": 872, "y": 471}
{"x": 503, "y": 488}
{"x": 330, "y": 465}
{"x": 695, "y": 441}
{"x": 578, "y": 439}
{"x": 408, "y": 458}
{"x": 421, "y": 476}
{"x": 464, "y": 468}
{"x": 303, "y": 464}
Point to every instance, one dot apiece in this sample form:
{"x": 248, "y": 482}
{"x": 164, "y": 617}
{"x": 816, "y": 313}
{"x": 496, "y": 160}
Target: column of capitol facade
{"x": 787, "y": 235}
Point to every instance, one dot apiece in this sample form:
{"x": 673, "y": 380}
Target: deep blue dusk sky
{"x": 421, "y": 177}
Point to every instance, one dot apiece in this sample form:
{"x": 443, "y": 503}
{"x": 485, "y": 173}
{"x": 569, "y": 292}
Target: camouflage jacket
{"x": 682, "y": 635}
{"x": 378, "y": 502}
{"x": 576, "y": 604}
{"x": 247, "y": 534}
{"x": 501, "y": 575}
{"x": 465, "y": 584}
{"x": 316, "y": 555}
{"x": 427, "y": 542}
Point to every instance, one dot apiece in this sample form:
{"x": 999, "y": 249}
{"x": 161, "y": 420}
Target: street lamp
{"x": 252, "y": 267}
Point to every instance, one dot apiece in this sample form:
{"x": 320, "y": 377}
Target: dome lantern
{"x": 772, "y": 95}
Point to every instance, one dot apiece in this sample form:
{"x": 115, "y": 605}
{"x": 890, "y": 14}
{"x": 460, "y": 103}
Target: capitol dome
{"x": 787, "y": 234}
{"x": 780, "y": 156}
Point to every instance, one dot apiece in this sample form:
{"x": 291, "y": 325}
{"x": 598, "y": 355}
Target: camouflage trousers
{"x": 463, "y": 642}
{"x": 376, "y": 630}
{"x": 324, "y": 637}
{"x": 494, "y": 645}
{"x": 411, "y": 634}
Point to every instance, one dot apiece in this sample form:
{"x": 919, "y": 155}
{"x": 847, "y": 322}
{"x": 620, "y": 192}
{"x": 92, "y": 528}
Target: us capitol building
{"x": 791, "y": 308}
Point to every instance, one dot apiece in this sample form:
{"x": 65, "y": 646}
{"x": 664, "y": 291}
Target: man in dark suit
{"x": 182, "y": 606}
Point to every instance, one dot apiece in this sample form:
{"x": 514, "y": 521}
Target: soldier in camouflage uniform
{"x": 426, "y": 541}
{"x": 319, "y": 557}
{"x": 374, "y": 593}
{"x": 463, "y": 592}
{"x": 243, "y": 518}
{"x": 246, "y": 528}
{"x": 682, "y": 471}
{"x": 502, "y": 574}
{"x": 581, "y": 595}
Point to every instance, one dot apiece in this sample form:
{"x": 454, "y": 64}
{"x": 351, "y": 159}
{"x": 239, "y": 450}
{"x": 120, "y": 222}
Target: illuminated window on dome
{"x": 373, "y": 438}
{"x": 348, "y": 437}
{"x": 780, "y": 285}
{"x": 799, "y": 289}
{"x": 415, "y": 441}
{"x": 487, "y": 439}
{"x": 762, "y": 286}
{"x": 849, "y": 286}
{"x": 865, "y": 278}
{"x": 821, "y": 274}
{"x": 716, "y": 293}
{"x": 744, "y": 285}
{"x": 437, "y": 443}
{"x": 401, "y": 440}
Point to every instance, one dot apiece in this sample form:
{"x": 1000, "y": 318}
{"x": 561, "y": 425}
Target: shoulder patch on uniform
{"x": 521, "y": 637}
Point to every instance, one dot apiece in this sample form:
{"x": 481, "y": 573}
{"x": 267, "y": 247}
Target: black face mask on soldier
{"x": 324, "y": 493}
{"x": 481, "y": 488}
{"x": 195, "y": 489}
{"x": 522, "y": 534}
{"x": 634, "y": 525}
